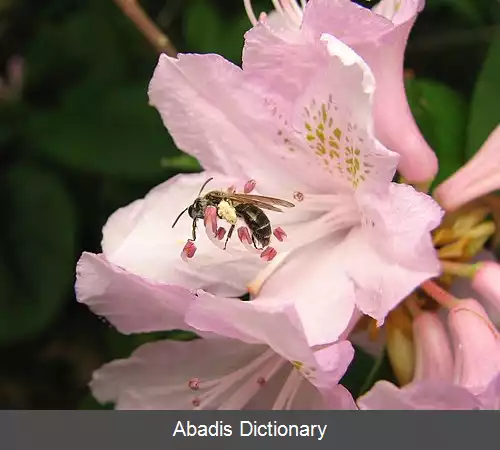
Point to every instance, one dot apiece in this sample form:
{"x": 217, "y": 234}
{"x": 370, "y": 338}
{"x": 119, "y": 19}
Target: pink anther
{"x": 249, "y": 186}
{"x": 189, "y": 250}
{"x": 268, "y": 254}
{"x": 280, "y": 234}
{"x": 210, "y": 220}
{"x": 299, "y": 196}
{"x": 221, "y": 232}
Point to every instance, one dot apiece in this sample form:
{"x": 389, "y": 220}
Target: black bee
{"x": 231, "y": 206}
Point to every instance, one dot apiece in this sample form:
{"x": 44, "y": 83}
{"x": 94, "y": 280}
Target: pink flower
{"x": 486, "y": 282}
{"x": 355, "y": 239}
{"x": 480, "y": 176}
{"x": 283, "y": 51}
{"x": 474, "y": 382}
{"x": 212, "y": 373}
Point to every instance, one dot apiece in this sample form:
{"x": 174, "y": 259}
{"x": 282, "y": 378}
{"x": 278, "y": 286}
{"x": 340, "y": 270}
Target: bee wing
{"x": 261, "y": 201}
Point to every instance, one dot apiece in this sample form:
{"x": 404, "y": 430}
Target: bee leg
{"x": 194, "y": 230}
{"x": 229, "y": 234}
{"x": 255, "y": 243}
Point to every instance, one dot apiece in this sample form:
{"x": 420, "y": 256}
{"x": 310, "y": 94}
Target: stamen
{"x": 299, "y": 196}
{"x": 249, "y": 186}
{"x": 459, "y": 269}
{"x": 188, "y": 251}
{"x": 268, "y": 254}
{"x": 194, "y": 384}
{"x": 441, "y": 296}
{"x": 256, "y": 285}
{"x": 231, "y": 189}
{"x": 221, "y": 232}
{"x": 279, "y": 234}
{"x": 246, "y": 239}
{"x": 261, "y": 381}
{"x": 288, "y": 391}
{"x": 250, "y": 12}
{"x": 210, "y": 220}
{"x": 196, "y": 402}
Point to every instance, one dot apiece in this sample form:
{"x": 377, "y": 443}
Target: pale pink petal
{"x": 418, "y": 396}
{"x": 433, "y": 355}
{"x": 477, "y": 345}
{"x": 217, "y": 115}
{"x": 333, "y": 115}
{"x": 158, "y": 375}
{"x": 277, "y": 326}
{"x": 313, "y": 279}
{"x": 490, "y": 398}
{"x": 131, "y": 303}
{"x": 140, "y": 239}
{"x": 392, "y": 253}
{"x": 480, "y": 176}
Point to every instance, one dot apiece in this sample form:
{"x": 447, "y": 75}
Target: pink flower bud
{"x": 476, "y": 344}
{"x": 480, "y": 176}
{"x": 433, "y": 355}
{"x": 487, "y": 282}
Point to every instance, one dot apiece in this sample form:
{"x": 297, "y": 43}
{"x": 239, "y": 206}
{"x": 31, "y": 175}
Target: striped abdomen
{"x": 256, "y": 221}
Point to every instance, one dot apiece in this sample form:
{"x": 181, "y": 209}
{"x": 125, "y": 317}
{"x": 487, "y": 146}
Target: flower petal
{"x": 140, "y": 239}
{"x": 157, "y": 375}
{"x": 217, "y": 115}
{"x": 392, "y": 253}
{"x": 279, "y": 327}
{"x": 418, "y": 396}
{"x": 132, "y": 304}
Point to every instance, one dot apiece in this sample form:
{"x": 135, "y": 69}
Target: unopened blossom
{"x": 480, "y": 176}
{"x": 262, "y": 361}
{"x": 354, "y": 239}
{"x": 282, "y": 51}
{"x": 473, "y": 382}
{"x": 486, "y": 281}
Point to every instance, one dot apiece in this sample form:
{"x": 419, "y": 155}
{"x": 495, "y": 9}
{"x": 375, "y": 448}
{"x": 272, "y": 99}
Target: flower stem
{"x": 147, "y": 27}
{"x": 441, "y": 296}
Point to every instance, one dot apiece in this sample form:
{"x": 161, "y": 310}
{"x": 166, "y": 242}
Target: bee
{"x": 231, "y": 206}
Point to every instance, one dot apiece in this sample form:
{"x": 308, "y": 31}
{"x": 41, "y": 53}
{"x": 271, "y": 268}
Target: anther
{"x": 261, "y": 381}
{"x": 194, "y": 384}
{"x": 231, "y": 189}
{"x": 196, "y": 402}
{"x": 189, "y": 250}
{"x": 221, "y": 232}
{"x": 210, "y": 219}
{"x": 249, "y": 186}
{"x": 268, "y": 254}
{"x": 244, "y": 235}
{"x": 299, "y": 196}
{"x": 280, "y": 234}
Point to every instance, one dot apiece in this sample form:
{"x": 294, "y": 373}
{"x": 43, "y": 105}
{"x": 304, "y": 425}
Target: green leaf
{"x": 485, "y": 110}
{"x": 111, "y": 133}
{"x": 441, "y": 114}
{"x": 365, "y": 371}
{"x": 121, "y": 346}
{"x": 206, "y": 31}
{"x": 37, "y": 257}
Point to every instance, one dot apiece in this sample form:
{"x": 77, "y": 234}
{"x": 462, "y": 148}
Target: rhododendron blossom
{"x": 212, "y": 373}
{"x": 282, "y": 51}
{"x": 355, "y": 241}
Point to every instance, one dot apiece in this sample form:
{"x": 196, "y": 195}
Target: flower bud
{"x": 433, "y": 355}
{"x": 480, "y": 176}
{"x": 486, "y": 282}
{"x": 476, "y": 345}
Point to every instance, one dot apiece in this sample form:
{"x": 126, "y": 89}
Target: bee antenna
{"x": 204, "y": 184}
{"x": 179, "y": 216}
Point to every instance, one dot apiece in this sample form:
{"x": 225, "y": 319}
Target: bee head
{"x": 197, "y": 209}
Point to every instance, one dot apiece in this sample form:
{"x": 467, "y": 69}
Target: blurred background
{"x": 78, "y": 140}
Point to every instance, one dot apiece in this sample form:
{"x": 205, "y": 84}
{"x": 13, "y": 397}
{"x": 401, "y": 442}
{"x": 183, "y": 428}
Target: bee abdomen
{"x": 257, "y": 221}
